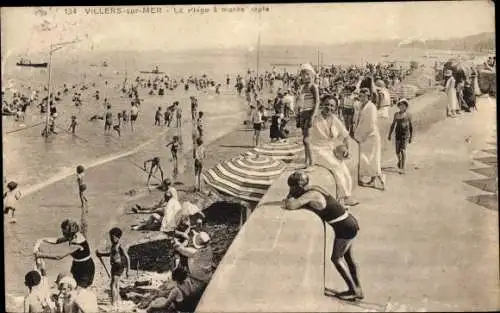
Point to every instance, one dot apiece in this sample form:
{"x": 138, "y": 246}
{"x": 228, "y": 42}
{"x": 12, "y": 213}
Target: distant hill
{"x": 479, "y": 43}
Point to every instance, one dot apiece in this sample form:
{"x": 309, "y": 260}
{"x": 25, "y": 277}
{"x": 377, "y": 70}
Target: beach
{"x": 115, "y": 180}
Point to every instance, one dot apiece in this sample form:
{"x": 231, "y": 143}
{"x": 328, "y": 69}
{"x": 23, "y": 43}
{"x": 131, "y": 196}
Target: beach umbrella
{"x": 246, "y": 177}
{"x": 285, "y": 151}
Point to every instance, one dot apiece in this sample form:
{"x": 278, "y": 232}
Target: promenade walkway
{"x": 422, "y": 245}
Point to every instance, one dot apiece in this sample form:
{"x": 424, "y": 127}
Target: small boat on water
{"x": 154, "y": 71}
{"x": 28, "y": 63}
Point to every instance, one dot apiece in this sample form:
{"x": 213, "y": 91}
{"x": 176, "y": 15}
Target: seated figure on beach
{"x": 38, "y": 299}
{"x": 331, "y": 142}
{"x": 191, "y": 282}
{"x": 164, "y": 217}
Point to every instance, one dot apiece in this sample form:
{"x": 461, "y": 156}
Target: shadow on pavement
{"x": 489, "y": 202}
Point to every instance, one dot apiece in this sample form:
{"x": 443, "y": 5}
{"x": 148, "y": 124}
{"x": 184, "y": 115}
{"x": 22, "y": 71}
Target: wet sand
{"x": 107, "y": 184}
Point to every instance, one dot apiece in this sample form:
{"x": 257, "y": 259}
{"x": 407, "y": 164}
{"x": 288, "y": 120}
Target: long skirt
{"x": 452, "y": 100}
{"x": 370, "y": 156}
{"x": 338, "y": 168}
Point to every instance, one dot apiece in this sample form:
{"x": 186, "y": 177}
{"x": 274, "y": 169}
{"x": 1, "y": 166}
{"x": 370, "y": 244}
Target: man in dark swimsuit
{"x": 345, "y": 226}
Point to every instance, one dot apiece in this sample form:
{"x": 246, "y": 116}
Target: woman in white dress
{"x": 367, "y": 134}
{"x": 330, "y": 140}
{"x": 451, "y": 93}
{"x": 384, "y": 99}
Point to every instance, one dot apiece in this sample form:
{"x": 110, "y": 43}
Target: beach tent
{"x": 285, "y": 151}
{"x": 487, "y": 81}
{"x": 403, "y": 91}
{"x": 246, "y": 177}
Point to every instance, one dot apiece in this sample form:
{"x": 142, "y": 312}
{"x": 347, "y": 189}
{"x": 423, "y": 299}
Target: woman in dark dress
{"x": 274, "y": 129}
{"x": 83, "y": 267}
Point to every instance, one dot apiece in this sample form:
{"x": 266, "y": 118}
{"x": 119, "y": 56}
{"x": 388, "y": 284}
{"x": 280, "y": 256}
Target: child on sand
{"x": 108, "y": 119}
{"x": 199, "y": 124}
{"x": 155, "y": 166}
{"x": 178, "y": 114}
{"x": 175, "y": 146}
{"x": 10, "y": 198}
{"x": 257, "y": 123}
{"x": 65, "y": 298}
{"x": 403, "y": 132}
{"x": 80, "y": 172}
{"x": 52, "y": 126}
{"x": 134, "y": 112}
{"x": 167, "y": 116}
{"x": 72, "y": 126}
{"x": 158, "y": 115}
{"x": 124, "y": 118}
{"x": 119, "y": 260}
{"x": 199, "y": 157}
{"x": 37, "y": 301}
{"x": 117, "y": 127}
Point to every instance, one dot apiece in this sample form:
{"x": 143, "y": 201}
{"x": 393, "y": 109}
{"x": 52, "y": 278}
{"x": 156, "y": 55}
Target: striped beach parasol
{"x": 285, "y": 151}
{"x": 246, "y": 177}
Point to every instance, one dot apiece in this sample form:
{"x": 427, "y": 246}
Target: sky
{"x": 282, "y": 24}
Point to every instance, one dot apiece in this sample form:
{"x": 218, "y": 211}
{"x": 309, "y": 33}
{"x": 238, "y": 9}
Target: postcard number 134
{"x": 70, "y": 11}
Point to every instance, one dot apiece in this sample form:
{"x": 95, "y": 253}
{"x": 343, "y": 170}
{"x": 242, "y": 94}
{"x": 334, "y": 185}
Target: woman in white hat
{"x": 309, "y": 104}
{"x": 451, "y": 92}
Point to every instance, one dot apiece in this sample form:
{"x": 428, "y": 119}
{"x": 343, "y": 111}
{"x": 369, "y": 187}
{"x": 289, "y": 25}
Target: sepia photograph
{"x": 305, "y": 157}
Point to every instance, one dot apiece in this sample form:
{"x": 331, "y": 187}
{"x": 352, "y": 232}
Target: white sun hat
{"x": 307, "y": 67}
{"x": 201, "y": 239}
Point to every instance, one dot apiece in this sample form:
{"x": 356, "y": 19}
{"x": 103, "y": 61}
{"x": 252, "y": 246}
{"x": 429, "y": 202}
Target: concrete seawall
{"x": 274, "y": 251}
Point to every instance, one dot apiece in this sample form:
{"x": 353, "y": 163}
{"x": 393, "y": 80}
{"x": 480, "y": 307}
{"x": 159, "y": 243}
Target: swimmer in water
{"x": 155, "y": 166}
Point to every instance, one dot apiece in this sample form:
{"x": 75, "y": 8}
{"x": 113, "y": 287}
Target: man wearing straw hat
{"x": 309, "y": 104}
